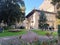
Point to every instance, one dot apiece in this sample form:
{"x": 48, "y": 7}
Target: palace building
{"x": 33, "y": 17}
{"x": 50, "y": 12}
{"x": 47, "y": 6}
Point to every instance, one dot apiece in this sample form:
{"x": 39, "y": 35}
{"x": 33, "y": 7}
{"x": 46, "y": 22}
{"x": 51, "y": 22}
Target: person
{"x": 1, "y": 29}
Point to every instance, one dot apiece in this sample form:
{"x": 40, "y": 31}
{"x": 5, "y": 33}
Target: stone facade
{"x": 50, "y": 11}
{"x": 33, "y": 17}
{"x": 47, "y": 6}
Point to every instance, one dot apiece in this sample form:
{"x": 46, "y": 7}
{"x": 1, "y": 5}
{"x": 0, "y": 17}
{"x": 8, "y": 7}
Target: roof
{"x": 28, "y": 15}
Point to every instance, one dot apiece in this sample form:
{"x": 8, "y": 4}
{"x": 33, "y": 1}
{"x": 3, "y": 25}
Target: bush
{"x": 7, "y": 27}
{"x": 46, "y": 26}
{"x": 22, "y": 27}
{"x": 48, "y": 34}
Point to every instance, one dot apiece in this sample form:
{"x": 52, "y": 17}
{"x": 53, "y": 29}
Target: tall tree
{"x": 12, "y": 12}
{"x": 57, "y": 4}
{"x": 42, "y": 19}
{"x": 58, "y": 16}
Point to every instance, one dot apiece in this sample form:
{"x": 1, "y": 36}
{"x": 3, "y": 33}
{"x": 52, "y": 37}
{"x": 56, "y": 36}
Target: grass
{"x": 40, "y": 32}
{"x": 6, "y": 33}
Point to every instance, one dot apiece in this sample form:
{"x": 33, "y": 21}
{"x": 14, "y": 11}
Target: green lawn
{"x": 40, "y": 32}
{"x": 6, "y": 33}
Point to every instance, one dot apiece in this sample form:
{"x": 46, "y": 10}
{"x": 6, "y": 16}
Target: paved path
{"x": 15, "y": 39}
{"x": 7, "y": 38}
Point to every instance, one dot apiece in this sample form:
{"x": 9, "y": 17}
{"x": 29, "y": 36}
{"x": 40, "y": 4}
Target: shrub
{"x": 48, "y": 34}
{"x": 6, "y": 28}
{"x": 22, "y": 27}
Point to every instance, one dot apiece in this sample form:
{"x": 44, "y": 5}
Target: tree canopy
{"x": 57, "y": 3}
{"x": 42, "y": 19}
{"x": 10, "y": 11}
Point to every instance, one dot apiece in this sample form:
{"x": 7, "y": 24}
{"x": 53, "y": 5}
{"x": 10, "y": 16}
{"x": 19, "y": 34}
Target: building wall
{"x": 36, "y": 14}
{"x": 51, "y": 20}
{"x": 47, "y": 6}
{"x": 32, "y": 21}
{"x": 29, "y": 23}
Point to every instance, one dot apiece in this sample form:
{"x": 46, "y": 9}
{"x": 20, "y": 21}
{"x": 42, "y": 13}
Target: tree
{"x": 42, "y": 19}
{"x": 11, "y": 11}
{"x": 58, "y": 16}
{"x": 57, "y": 4}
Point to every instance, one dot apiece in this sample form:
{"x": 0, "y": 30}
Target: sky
{"x": 31, "y": 4}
